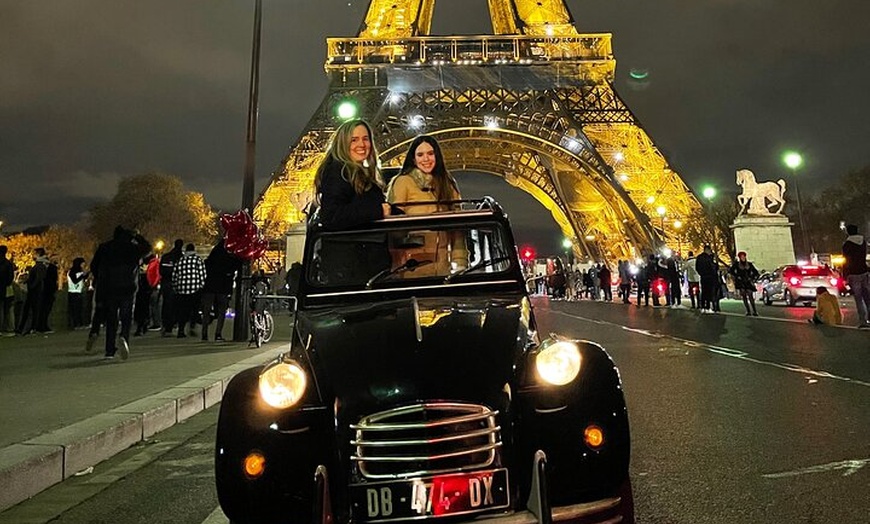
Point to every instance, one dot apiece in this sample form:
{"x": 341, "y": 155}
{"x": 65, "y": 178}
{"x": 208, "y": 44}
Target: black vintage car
{"x": 416, "y": 387}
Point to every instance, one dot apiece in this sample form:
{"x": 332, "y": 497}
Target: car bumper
{"x": 604, "y": 511}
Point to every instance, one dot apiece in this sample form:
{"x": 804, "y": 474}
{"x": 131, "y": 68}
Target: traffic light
{"x": 527, "y": 253}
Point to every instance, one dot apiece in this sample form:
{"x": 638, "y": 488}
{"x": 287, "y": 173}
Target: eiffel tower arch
{"x": 533, "y": 103}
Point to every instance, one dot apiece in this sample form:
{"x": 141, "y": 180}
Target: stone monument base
{"x": 766, "y": 240}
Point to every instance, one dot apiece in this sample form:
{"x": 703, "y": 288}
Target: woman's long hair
{"x": 443, "y": 184}
{"x": 360, "y": 175}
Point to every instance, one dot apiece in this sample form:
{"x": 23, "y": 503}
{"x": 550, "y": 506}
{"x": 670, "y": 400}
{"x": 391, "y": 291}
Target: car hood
{"x": 378, "y": 356}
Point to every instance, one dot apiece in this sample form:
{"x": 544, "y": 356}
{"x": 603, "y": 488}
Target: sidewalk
{"x": 63, "y": 410}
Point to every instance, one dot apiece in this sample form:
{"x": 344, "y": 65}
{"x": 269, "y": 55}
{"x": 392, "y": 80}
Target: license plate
{"x": 438, "y": 496}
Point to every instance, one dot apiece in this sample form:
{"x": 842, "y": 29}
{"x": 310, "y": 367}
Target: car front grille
{"x": 425, "y": 439}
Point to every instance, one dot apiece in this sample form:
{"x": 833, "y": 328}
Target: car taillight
{"x": 795, "y": 281}
{"x": 834, "y": 281}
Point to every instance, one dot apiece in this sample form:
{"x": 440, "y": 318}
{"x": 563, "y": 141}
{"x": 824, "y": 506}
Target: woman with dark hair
{"x": 349, "y": 192}
{"x": 745, "y": 275}
{"x": 348, "y": 184}
{"x": 75, "y": 293}
{"x": 424, "y": 178}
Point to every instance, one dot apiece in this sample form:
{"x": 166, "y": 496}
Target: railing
{"x": 472, "y": 50}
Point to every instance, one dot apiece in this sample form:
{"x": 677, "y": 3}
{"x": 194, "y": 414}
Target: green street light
{"x": 794, "y": 160}
{"x": 567, "y": 244}
{"x": 709, "y": 192}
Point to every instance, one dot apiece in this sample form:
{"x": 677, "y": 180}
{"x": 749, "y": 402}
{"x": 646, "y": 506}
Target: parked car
{"x": 411, "y": 395}
{"x": 792, "y": 284}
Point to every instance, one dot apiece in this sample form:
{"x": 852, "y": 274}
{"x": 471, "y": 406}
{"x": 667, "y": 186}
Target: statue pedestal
{"x": 766, "y": 240}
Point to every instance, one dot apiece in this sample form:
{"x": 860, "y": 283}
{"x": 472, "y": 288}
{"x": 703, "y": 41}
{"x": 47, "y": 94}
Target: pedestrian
{"x": 49, "y": 295}
{"x": 7, "y": 291}
{"x": 642, "y": 277}
{"x": 708, "y": 271}
{"x": 744, "y": 274}
{"x": 75, "y": 293}
{"x": 115, "y": 266}
{"x": 693, "y": 281}
{"x": 168, "y": 312}
{"x": 604, "y": 279}
{"x": 220, "y": 270}
{"x": 624, "y": 269}
{"x": 857, "y": 273}
{"x": 33, "y": 303}
{"x": 188, "y": 279}
{"x": 675, "y": 281}
{"x": 827, "y": 309}
{"x": 152, "y": 273}
{"x": 349, "y": 191}
{"x": 142, "y": 302}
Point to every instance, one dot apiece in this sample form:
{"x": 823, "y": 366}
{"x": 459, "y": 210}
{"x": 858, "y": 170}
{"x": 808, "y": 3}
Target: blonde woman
{"x": 350, "y": 193}
{"x": 348, "y": 185}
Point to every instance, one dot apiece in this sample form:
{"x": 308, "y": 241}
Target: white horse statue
{"x": 757, "y": 195}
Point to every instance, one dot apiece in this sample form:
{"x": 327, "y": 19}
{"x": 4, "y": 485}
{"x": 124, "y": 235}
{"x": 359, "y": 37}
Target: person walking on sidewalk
{"x": 7, "y": 291}
{"x": 827, "y": 309}
{"x": 708, "y": 270}
{"x": 115, "y": 267}
{"x": 220, "y": 269}
{"x": 75, "y": 292}
{"x": 693, "y": 281}
{"x": 167, "y": 292}
{"x": 857, "y": 273}
{"x": 188, "y": 279}
{"x": 745, "y": 275}
{"x": 32, "y": 309}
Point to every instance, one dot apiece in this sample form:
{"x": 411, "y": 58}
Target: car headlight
{"x": 283, "y": 384}
{"x": 559, "y": 363}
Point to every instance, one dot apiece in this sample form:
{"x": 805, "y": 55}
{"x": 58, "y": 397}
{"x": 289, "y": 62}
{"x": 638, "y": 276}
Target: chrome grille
{"x": 425, "y": 439}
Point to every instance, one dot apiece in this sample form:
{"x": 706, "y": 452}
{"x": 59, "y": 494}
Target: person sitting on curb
{"x": 827, "y": 309}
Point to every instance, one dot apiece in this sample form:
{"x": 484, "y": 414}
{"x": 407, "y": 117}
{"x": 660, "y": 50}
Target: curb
{"x": 30, "y": 467}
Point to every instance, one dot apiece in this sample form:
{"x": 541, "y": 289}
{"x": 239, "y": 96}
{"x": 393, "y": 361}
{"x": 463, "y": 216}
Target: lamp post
{"x": 240, "y": 305}
{"x": 568, "y": 245}
{"x": 662, "y": 211}
{"x": 678, "y": 225}
{"x": 794, "y": 160}
{"x": 709, "y": 193}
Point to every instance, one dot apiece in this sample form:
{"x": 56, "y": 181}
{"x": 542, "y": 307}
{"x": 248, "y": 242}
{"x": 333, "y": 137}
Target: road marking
{"x": 217, "y": 517}
{"x": 727, "y": 352}
{"x": 850, "y": 467}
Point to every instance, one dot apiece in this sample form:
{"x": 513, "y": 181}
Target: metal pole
{"x": 797, "y": 193}
{"x": 240, "y": 325}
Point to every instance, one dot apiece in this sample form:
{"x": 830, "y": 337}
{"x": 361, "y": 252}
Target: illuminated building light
{"x": 650, "y": 199}
{"x": 623, "y": 177}
{"x": 619, "y": 156}
{"x": 490, "y": 122}
{"x": 416, "y": 122}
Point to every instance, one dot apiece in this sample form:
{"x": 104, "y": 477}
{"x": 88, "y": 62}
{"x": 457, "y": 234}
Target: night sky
{"x": 95, "y": 90}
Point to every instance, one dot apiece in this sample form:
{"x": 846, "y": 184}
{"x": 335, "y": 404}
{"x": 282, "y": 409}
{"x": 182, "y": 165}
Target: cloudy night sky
{"x": 92, "y": 91}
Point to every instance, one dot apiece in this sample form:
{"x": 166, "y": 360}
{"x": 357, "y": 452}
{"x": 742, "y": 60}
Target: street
{"x": 734, "y": 419}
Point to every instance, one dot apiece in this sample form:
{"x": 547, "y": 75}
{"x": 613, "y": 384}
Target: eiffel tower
{"x": 533, "y": 103}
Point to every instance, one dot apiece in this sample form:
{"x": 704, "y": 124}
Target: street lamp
{"x": 567, "y": 244}
{"x": 661, "y": 210}
{"x": 709, "y": 193}
{"x": 794, "y": 160}
{"x": 678, "y": 225}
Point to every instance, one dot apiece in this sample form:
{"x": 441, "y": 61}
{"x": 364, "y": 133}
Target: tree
{"x": 62, "y": 244}
{"x": 844, "y": 201}
{"x": 711, "y": 225}
{"x": 159, "y": 206}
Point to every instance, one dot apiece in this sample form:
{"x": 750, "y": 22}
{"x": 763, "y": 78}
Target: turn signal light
{"x": 593, "y": 436}
{"x": 255, "y": 465}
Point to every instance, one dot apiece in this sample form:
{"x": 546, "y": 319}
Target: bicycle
{"x": 261, "y": 324}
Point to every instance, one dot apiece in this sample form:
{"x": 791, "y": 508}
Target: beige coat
{"x": 441, "y": 248}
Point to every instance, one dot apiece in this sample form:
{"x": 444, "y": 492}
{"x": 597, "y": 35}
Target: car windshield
{"x": 400, "y": 255}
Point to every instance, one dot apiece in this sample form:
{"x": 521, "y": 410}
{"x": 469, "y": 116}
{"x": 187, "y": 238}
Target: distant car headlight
{"x": 559, "y": 363}
{"x": 283, "y": 384}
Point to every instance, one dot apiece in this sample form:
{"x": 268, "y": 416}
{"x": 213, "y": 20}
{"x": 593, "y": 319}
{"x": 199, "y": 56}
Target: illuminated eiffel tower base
{"x": 533, "y": 103}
